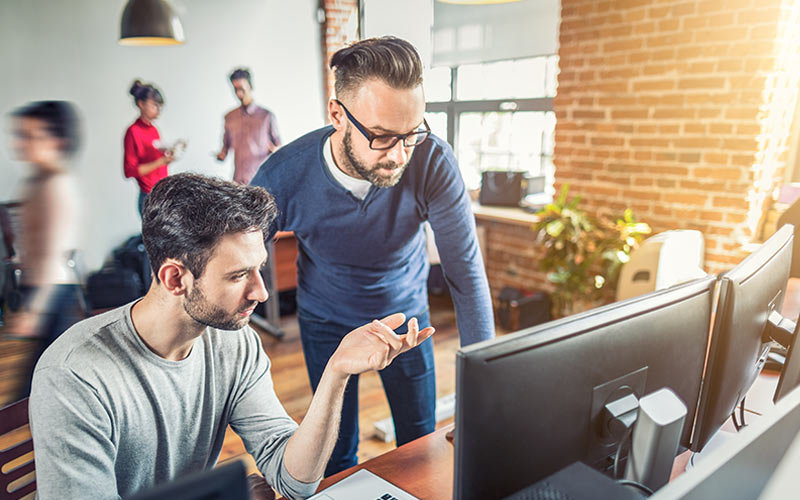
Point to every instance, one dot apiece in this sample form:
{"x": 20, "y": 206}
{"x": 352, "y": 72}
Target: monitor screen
{"x": 748, "y": 293}
{"x": 531, "y": 403}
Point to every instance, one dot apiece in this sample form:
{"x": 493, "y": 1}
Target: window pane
{"x": 436, "y": 82}
{"x": 522, "y": 78}
{"x": 501, "y": 141}
{"x": 438, "y": 123}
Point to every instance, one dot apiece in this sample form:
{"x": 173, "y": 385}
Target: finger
{"x": 395, "y": 320}
{"x": 394, "y": 341}
{"x": 413, "y": 332}
{"x": 424, "y": 335}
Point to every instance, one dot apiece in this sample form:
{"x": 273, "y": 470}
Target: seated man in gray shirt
{"x": 144, "y": 393}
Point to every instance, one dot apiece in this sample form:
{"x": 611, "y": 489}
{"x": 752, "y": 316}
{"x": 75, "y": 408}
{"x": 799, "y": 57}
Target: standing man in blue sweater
{"x": 356, "y": 194}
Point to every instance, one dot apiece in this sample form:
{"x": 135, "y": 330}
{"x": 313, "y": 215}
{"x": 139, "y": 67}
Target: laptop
{"x": 363, "y": 485}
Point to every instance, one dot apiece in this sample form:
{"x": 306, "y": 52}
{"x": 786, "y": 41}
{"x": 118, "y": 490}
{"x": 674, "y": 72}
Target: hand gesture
{"x": 374, "y": 345}
{"x": 168, "y": 157}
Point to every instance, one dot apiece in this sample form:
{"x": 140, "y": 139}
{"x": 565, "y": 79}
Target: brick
{"x": 689, "y": 157}
{"x": 688, "y": 199}
{"x": 578, "y": 114}
{"x": 653, "y": 85}
{"x": 676, "y": 170}
{"x": 701, "y": 83}
{"x": 668, "y": 25}
{"x": 702, "y": 185}
{"x": 648, "y": 142}
{"x": 695, "y": 22}
{"x": 740, "y": 144}
{"x": 730, "y": 65}
{"x": 629, "y": 114}
{"x": 641, "y": 195}
{"x": 694, "y": 128}
{"x": 719, "y": 173}
{"x": 674, "y": 113}
{"x": 607, "y": 141}
{"x": 764, "y": 32}
{"x": 730, "y": 202}
{"x": 735, "y": 218}
{"x": 720, "y": 128}
{"x": 709, "y": 113}
{"x": 753, "y": 17}
{"x": 696, "y": 142}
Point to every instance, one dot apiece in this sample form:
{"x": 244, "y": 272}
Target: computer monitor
{"x": 748, "y": 294}
{"x": 790, "y": 371}
{"x": 744, "y": 465}
{"x": 226, "y": 482}
{"x": 531, "y": 402}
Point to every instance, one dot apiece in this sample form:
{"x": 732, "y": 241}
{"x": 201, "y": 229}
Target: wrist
{"x": 334, "y": 371}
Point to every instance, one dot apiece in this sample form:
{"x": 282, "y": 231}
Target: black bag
{"x": 502, "y": 188}
{"x": 132, "y": 255}
{"x": 113, "y": 286}
{"x": 517, "y": 310}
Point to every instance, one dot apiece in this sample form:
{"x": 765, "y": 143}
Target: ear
{"x": 174, "y": 277}
{"x": 336, "y": 115}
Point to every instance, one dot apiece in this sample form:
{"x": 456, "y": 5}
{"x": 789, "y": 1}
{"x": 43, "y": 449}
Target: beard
{"x": 201, "y": 310}
{"x": 373, "y": 174}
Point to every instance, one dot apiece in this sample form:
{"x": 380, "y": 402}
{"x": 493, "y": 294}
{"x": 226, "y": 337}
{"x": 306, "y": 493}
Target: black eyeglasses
{"x": 388, "y": 141}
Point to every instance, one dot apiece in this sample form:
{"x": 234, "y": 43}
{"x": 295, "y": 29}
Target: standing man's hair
{"x": 242, "y": 74}
{"x": 390, "y": 59}
{"x": 185, "y": 215}
{"x": 60, "y": 119}
{"x": 143, "y": 91}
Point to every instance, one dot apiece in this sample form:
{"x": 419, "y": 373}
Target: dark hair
{"x": 60, "y": 119}
{"x": 242, "y": 74}
{"x": 144, "y": 91}
{"x": 185, "y": 215}
{"x": 390, "y": 59}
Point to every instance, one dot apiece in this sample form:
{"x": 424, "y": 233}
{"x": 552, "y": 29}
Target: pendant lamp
{"x": 150, "y": 22}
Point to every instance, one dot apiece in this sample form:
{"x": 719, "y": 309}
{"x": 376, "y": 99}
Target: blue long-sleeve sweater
{"x": 364, "y": 259}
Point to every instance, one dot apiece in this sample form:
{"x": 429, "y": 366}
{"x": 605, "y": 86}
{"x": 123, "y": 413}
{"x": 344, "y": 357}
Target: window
{"x": 497, "y": 116}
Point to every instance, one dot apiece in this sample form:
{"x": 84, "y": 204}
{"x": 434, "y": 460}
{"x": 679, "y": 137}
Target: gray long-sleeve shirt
{"x": 109, "y": 417}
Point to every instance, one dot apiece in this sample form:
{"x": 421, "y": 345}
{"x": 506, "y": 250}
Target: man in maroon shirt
{"x": 250, "y": 130}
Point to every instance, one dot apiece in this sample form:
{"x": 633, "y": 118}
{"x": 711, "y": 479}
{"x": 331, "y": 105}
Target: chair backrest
{"x": 17, "y": 477}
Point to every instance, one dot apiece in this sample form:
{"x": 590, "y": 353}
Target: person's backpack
{"x": 113, "y": 286}
{"x": 132, "y": 255}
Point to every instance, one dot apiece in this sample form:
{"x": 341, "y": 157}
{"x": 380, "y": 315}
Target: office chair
{"x": 16, "y": 446}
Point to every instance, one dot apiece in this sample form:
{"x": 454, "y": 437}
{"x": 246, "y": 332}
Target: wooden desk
{"x": 285, "y": 260}
{"x": 423, "y": 467}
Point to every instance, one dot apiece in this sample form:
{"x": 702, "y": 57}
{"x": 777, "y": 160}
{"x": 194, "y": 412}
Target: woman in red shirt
{"x": 143, "y": 159}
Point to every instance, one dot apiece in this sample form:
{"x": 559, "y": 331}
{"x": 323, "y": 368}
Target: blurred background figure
{"x": 145, "y": 157}
{"x": 46, "y": 138}
{"x": 250, "y": 130}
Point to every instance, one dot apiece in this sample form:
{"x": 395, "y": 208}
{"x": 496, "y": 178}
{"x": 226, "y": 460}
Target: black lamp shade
{"x": 150, "y": 22}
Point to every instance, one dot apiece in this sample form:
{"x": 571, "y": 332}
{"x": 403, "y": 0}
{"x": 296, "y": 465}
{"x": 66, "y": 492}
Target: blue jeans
{"x": 409, "y": 383}
{"x": 63, "y": 311}
{"x": 140, "y": 205}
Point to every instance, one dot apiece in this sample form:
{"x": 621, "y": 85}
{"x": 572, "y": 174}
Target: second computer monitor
{"x": 748, "y": 294}
{"x": 530, "y": 403}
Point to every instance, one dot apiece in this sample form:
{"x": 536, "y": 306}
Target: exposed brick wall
{"x": 680, "y": 110}
{"x": 512, "y": 257}
{"x": 340, "y": 28}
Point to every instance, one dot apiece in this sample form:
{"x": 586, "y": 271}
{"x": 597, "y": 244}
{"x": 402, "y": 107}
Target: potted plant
{"x": 584, "y": 254}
